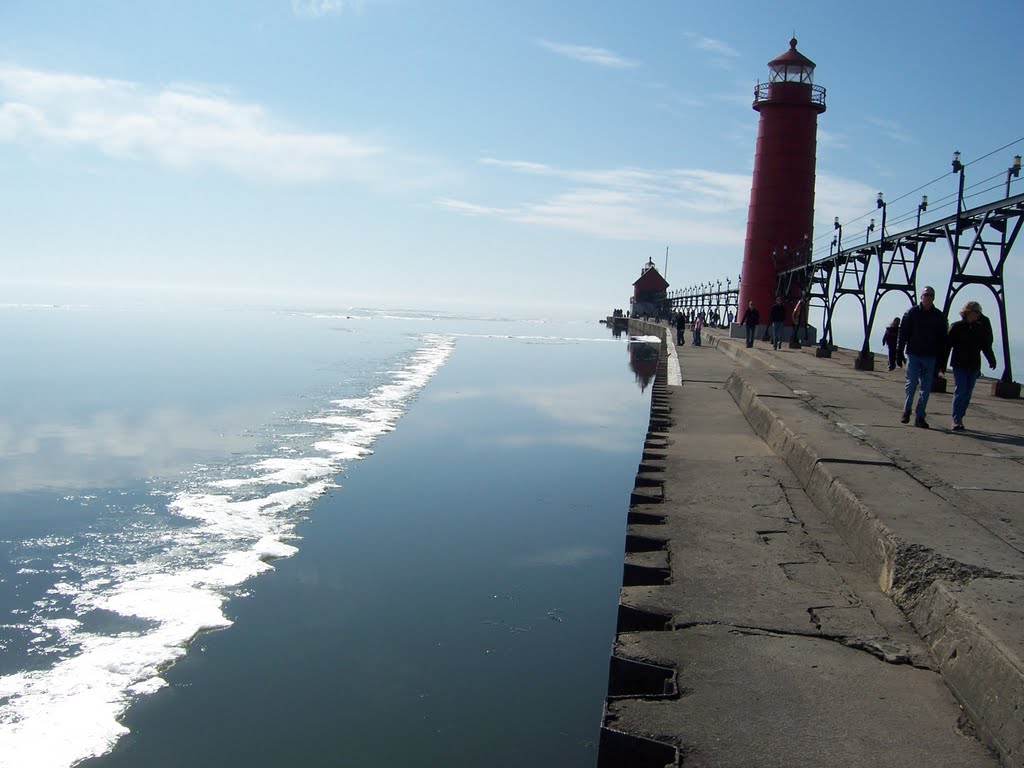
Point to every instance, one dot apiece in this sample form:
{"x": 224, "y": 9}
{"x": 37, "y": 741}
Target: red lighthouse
{"x": 781, "y": 213}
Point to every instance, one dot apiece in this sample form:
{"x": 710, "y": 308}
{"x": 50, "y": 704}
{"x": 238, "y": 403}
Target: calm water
{"x": 406, "y": 530}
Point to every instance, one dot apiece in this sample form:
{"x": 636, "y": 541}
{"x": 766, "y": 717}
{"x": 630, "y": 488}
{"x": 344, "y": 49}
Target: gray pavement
{"x": 822, "y": 585}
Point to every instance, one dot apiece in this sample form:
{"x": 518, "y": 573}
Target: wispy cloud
{"x": 468, "y": 209}
{"x": 830, "y": 139}
{"x": 315, "y": 9}
{"x": 715, "y": 52}
{"x": 670, "y": 98}
{"x": 717, "y": 47}
{"x": 180, "y": 127}
{"x": 589, "y": 54}
{"x": 891, "y": 129}
{"x": 677, "y": 205}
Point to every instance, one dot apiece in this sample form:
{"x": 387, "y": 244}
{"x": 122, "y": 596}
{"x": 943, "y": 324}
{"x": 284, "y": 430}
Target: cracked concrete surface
{"x": 788, "y": 651}
{"x": 945, "y": 518}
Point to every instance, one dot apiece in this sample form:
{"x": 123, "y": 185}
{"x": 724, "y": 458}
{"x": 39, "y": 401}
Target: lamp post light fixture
{"x": 880, "y": 203}
{"x": 868, "y": 231}
{"x": 923, "y": 206}
{"x": 837, "y": 226}
{"x": 1012, "y": 172}
{"x": 958, "y": 167}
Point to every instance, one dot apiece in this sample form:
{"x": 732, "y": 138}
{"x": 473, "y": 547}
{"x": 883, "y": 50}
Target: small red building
{"x": 649, "y": 292}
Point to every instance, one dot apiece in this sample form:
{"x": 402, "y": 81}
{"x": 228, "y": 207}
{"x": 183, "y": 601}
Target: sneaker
{"x": 920, "y": 422}
{"x": 905, "y": 417}
{"x": 958, "y": 426}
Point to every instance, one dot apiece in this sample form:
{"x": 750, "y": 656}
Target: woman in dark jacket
{"x": 968, "y": 339}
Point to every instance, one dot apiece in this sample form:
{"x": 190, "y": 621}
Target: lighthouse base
{"x": 805, "y": 334}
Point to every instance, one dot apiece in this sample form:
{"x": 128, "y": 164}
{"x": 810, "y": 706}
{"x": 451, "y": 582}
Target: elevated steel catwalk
{"x": 979, "y": 240}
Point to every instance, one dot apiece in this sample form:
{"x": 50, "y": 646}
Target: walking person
{"x": 777, "y": 318}
{"x": 750, "y": 320}
{"x": 968, "y": 339}
{"x": 923, "y": 336}
{"x": 680, "y": 329}
{"x": 890, "y": 340}
{"x": 698, "y": 326}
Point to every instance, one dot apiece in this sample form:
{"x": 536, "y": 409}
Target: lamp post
{"x": 958, "y": 167}
{"x": 836, "y": 225}
{"x": 868, "y": 231}
{"x": 866, "y": 359}
{"x": 923, "y": 206}
{"x": 880, "y": 203}
{"x": 1012, "y": 172}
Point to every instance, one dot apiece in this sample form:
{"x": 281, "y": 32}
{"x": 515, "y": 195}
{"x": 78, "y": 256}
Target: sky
{"x": 520, "y": 157}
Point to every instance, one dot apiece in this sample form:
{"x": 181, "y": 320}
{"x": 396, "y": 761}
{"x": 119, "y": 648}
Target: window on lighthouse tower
{"x": 790, "y": 72}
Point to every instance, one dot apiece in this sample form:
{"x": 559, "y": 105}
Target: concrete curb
{"x": 976, "y": 666}
{"x": 872, "y": 542}
{"x": 984, "y": 673}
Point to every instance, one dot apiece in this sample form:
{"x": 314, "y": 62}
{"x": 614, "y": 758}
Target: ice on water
{"x": 57, "y": 715}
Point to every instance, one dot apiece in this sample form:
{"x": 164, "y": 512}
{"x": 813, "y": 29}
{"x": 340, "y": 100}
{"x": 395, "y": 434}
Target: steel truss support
{"x": 980, "y": 241}
{"x": 898, "y": 259}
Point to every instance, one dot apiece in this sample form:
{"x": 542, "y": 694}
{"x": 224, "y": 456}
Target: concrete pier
{"x": 809, "y": 582}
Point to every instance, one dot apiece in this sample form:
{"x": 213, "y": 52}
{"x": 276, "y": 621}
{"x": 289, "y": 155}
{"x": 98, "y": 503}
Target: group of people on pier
{"x": 923, "y": 341}
{"x": 679, "y": 320}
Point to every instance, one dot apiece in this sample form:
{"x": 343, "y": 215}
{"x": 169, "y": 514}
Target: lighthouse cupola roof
{"x": 791, "y": 67}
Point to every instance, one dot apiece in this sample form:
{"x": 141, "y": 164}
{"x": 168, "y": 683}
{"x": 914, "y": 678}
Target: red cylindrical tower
{"x": 781, "y": 214}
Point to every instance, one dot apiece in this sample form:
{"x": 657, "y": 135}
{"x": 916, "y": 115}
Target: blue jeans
{"x": 777, "y": 334}
{"x": 751, "y": 330}
{"x": 920, "y": 372}
{"x": 963, "y": 386}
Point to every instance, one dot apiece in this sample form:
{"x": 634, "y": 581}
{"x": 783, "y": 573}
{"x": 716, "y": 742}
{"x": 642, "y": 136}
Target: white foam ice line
{"x": 283, "y": 472}
{"x": 55, "y": 717}
{"x": 550, "y": 339}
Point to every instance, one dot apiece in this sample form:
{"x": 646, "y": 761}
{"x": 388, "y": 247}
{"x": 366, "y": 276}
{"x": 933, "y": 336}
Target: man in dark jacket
{"x": 923, "y": 337}
{"x": 751, "y": 319}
